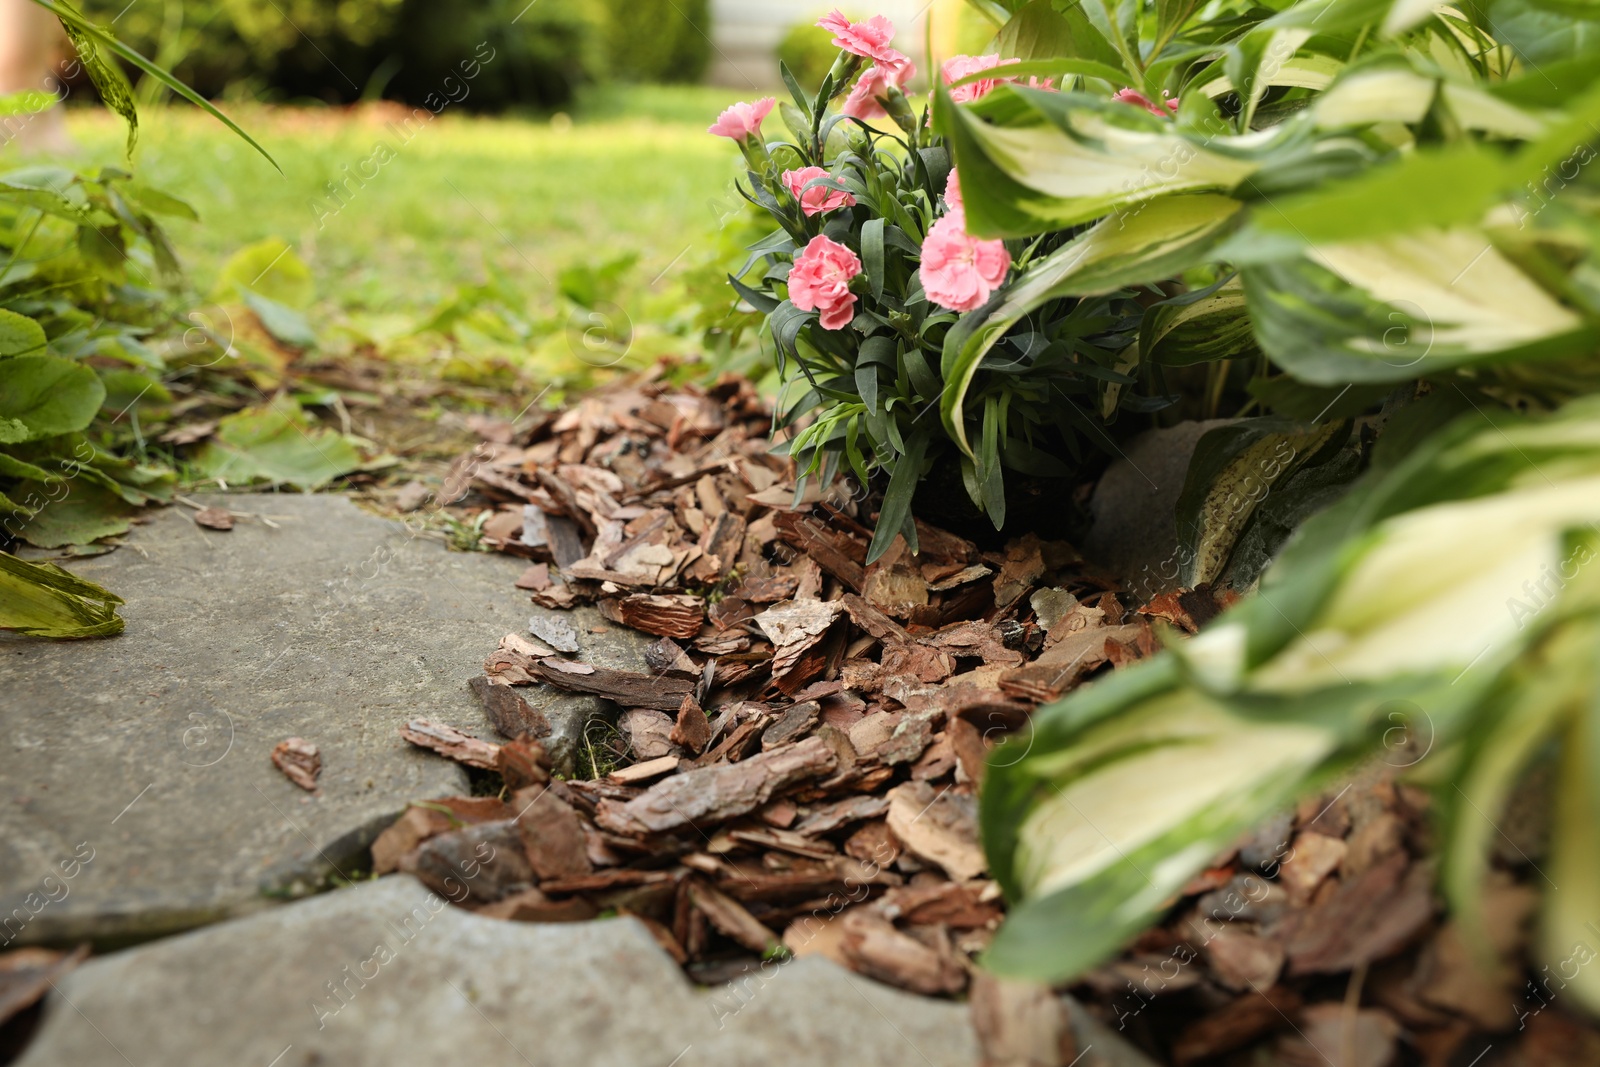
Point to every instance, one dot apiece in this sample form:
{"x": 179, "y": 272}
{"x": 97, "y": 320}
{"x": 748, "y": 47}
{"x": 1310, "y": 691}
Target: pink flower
{"x": 952, "y": 193}
{"x": 875, "y": 81}
{"x": 742, "y": 121}
{"x": 959, "y": 271}
{"x": 818, "y": 198}
{"x": 869, "y": 39}
{"x": 820, "y": 281}
{"x": 957, "y": 67}
{"x": 1163, "y": 110}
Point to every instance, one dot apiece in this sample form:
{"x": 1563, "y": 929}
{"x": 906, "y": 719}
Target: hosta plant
{"x": 871, "y": 267}
{"x": 1452, "y": 594}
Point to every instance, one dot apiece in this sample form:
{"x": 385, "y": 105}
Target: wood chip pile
{"x": 809, "y": 740}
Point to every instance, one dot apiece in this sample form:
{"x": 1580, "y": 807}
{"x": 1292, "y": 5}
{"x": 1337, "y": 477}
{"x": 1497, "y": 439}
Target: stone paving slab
{"x": 389, "y": 974}
{"x": 140, "y": 764}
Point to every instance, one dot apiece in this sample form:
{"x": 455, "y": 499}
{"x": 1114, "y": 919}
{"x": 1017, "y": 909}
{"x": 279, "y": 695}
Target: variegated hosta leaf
{"x": 1567, "y": 938}
{"x": 1123, "y": 816}
{"x": 1404, "y": 307}
{"x": 1540, "y": 700}
{"x": 1399, "y": 94}
{"x": 1430, "y": 590}
{"x": 1047, "y": 164}
{"x": 1133, "y": 783}
{"x": 1145, "y": 245}
{"x": 1198, "y": 327}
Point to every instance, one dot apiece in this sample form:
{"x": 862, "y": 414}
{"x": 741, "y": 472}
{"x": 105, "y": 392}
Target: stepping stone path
{"x": 140, "y": 800}
{"x": 142, "y": 762}
{"x": 389, "y": 974}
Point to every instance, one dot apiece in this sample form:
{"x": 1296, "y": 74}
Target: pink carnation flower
{"x": 868, "y": 39}
{"x": 1162, "y": 110}
{"x": 959, "y": 271}
{"x": 957, "y": 67}
{"x": 820, "y": 281}
{"x": 862, "y": 103}
{"x": 952, "y": 192}
{"x": 818, "y": 198}
{"x": 742, "y": 121}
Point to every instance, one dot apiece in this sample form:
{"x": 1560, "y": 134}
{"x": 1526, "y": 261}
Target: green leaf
{"x": 79, "y": 27}
{"x": 1232, "y": 470}
{"x": 1111, "y": 819}
{"x": 872, "y": 255}
{"x": 1424, "y": 189}
{"x": 897, "y": 497}
{"x": 42, "y": 600}
{"x": 88, "y": 512}
{"x": 269, "y": 268}
{"x": 108, "y": 79}
{"x": 47, "y": 395}
{"x": 19, "y": 335}
{"x": 284, "y": 323}
{"x": 1198, "y": 327}
{"x": 1405, "y": 307}
{"x": 275, "y": 443}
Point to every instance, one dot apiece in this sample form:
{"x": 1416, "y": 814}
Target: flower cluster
{"x": 958, "y": 272}
{"x": 872, "y": 285}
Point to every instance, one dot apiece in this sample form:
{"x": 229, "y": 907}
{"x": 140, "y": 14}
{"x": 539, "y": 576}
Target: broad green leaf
{"x": 47, "y": 395}
{"x": 1404, "y": 307}
{"x": 275, "y": 443}
{"x": 19, "y": 335}
{"x": 1037, "y": 31}
{"x": 1077, "y": 166}
{"x": 87, "y": 512}
{"x": 1198, "y": 327}
{"x": 1232, "y": 470}
{"x": 284, "y": 323}
{"x": 1112, "y": 823}
{"x": 42, "y": 600}
{"x": 1453, "y": 187}
{"x": 269, "y": 268}
{"x": 1154, "y": 242}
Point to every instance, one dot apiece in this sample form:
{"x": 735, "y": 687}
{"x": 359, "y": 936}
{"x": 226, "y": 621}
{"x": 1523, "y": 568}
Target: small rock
{"x": 554, "y": 631}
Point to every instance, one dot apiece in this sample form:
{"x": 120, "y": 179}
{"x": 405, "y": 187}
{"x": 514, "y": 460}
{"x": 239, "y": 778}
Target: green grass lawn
{"x": 434, "y": 208}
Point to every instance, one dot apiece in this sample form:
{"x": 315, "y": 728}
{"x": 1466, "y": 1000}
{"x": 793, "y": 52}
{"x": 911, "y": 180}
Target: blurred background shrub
{"x": 289, "y": 50}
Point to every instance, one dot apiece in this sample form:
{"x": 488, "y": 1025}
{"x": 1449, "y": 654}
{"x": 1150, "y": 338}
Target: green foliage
{"x": 42, "y": 600}
{"x": 538, "y": 54}
{"x": 1405, "y": 208}
{"x": 658, "y": 40}
{"x": 808, "y": 51}
{"x": 1027, "y": 389}
{"x": 1449, "y": 598}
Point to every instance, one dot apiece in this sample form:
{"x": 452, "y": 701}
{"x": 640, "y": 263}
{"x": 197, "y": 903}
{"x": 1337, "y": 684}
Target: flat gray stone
{"x": 388, "y": 974}
{"x": 150, "y": 750}
{"x": 1134, "y": 533}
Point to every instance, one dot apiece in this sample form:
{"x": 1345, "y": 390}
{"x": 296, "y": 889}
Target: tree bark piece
{"x": 451, "y": 743}
{"x": 299, "y": 761}
{"x": 666, "y": 615}
{"x": 661, "y": 692}
{"x": 716, "y": 794}
{"x": 508, "y": 713}
{"x": 729, "y": 916}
